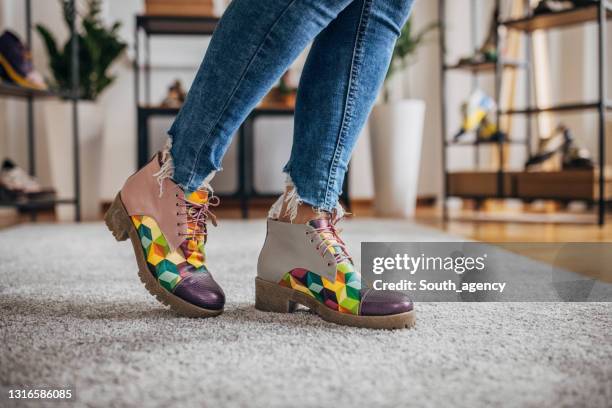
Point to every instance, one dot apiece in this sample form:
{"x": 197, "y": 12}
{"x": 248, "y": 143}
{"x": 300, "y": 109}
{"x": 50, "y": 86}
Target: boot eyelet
{"x": 329, "y": 264}
{"x": 312, "y": 241}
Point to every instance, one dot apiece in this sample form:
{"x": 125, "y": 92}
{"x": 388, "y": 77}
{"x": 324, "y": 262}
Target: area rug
{"x": 74, "y": 314}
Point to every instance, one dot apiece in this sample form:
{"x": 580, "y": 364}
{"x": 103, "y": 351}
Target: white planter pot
{"x": 396, "y": 132}
{"x": 58, "y": 121}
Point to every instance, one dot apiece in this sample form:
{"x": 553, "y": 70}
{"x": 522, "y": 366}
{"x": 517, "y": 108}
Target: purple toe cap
{"x": 201, "y": 290}
{"x": 384, "y": 302}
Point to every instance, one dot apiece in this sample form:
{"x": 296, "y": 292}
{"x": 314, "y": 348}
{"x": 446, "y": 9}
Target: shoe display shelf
{"x": 7, "y": 90}
{"x": 159, "y": 25}
{"x": 146, "y": 27}
{"x": 593, "y": 186}
{"x": 529, "y": 185}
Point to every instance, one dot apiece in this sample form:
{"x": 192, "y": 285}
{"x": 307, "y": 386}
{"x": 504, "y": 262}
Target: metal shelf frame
{"x": 202, "y": 26}
{"x": 30, "y": 95}
{"x": 598, "y": 13}
{"x": 154, "y": 25}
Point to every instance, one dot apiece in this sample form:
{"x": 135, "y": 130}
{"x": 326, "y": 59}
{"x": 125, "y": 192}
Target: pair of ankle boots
{"x": 306, "y": 264}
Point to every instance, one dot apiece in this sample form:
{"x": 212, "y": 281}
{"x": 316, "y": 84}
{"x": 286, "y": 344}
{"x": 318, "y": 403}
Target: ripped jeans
{"x": 253, "y": 45}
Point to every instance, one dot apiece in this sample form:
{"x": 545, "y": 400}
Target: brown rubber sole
{"x": 272, "y": 297}
{"x": 120, "y": 224}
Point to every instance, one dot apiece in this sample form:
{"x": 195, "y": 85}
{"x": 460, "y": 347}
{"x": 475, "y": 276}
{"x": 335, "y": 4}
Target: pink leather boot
{"x": 167, "y": 227}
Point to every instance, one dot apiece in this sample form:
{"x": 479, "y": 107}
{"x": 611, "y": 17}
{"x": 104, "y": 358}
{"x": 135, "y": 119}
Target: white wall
{"x": 573, "y": 54}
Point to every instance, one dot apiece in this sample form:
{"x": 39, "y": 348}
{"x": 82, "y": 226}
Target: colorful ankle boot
{"x": 309, "y": 264}
{"x": 167, "y": 227}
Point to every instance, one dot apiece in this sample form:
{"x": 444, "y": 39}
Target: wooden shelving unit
{"x": 526, "y": 185}
{"x": 177, "y": 25}
{"x": 30, "y": 96}
{"x": 154, "y": 25}
{"x": 594, "y": 186}
{"x": 560, "y": 19}
{"x": 9, "y": 90}
{"x": 484, "y": 66}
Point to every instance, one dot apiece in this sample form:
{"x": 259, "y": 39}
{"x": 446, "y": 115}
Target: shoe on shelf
{"x": 562, "y": 143}
{"x": 577, "y": 158}
{"x": 488, "y": 51}
{"x": 555, "y": 6}
{"x": 551, "y": 6}
{"x": 488, "y": 132}
{"x": 475, "y": 112}
{"x": 16, "y": 63}
{"x": 175, "y": 97}
{"x": 168, "y": 230}
{"x": 308, "y": 264}
{"x": 14, "y": 178}
{"x": 481, "y": 56}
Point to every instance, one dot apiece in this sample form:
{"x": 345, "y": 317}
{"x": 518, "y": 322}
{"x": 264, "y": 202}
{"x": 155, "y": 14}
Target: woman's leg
{"x": 341, "y": 79}
{"x": 166, "y": 217}
{"x": 253, "y": 45}
{"x": 305, "y": 261}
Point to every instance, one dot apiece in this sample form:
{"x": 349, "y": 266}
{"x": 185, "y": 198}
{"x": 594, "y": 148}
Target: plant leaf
{"x": 98, "y": 48}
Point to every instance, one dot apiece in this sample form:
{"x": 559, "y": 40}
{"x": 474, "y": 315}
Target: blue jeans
{"x": 253, "y": 45}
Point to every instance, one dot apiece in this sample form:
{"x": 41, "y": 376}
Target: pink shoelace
{"x": 330, "y": 239}
{"x": 198, "y": 215}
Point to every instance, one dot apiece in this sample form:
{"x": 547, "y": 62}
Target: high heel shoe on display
{"x": 476, "y": 112}
{"x": 561, "y": 142}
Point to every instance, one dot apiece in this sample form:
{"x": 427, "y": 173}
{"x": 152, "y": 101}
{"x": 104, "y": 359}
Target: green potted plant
{"x": 396, "y": 133}
{"x": 98, "y": 47}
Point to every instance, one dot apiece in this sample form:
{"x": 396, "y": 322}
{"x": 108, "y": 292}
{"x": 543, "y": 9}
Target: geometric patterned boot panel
{"x": 169, "y": 267}
{"x": 343, "y": 295}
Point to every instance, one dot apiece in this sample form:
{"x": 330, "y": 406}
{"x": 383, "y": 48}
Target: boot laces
{"x": 330, "y": 239}
{"x": 197, "y": 217}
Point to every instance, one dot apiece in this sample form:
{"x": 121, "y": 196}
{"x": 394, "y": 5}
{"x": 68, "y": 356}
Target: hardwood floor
{"x": 503, "y": 231}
